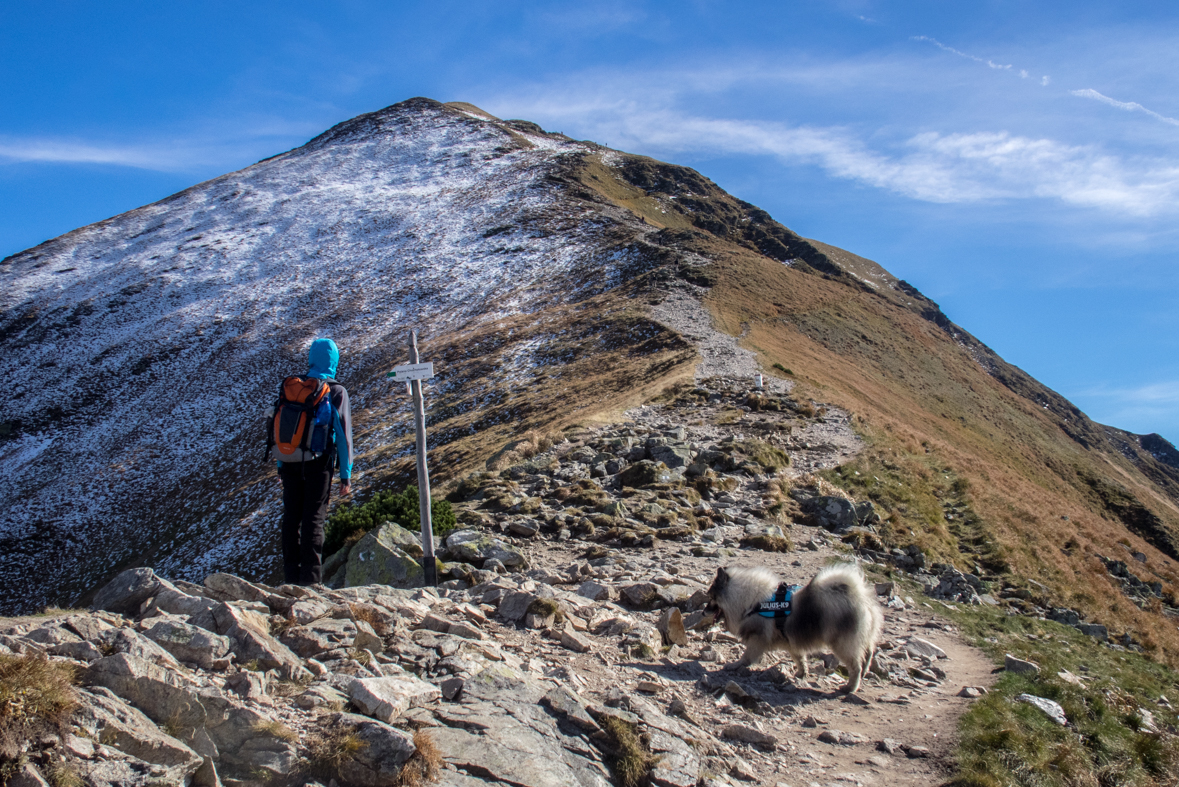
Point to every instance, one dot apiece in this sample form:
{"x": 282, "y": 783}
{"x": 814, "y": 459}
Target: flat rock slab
{"x": 514, "y": 754}
{"x": 387, "y": 698}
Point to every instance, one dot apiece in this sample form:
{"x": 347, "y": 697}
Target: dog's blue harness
{"x": 779, "y": 605}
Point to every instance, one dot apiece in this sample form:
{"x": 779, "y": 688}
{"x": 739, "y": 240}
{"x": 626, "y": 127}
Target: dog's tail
{"x": 846, "y": 578}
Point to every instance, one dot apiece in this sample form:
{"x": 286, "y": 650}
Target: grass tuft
{"x": 329, "y": 751}
{"x": 276, "y": 729}
{"x": 36, "y": 696}
{"x": 424, "y": 766}
{"x": 631, "y": 758}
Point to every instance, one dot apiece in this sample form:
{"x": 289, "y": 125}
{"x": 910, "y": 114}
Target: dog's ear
{"x": 718, "y": 584}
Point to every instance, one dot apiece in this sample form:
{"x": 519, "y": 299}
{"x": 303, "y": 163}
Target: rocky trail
{"x": 567, "y": 645}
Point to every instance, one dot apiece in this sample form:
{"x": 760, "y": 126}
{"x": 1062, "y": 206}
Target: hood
{"x": 322, "y": 358}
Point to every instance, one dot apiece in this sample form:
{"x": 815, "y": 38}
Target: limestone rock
{"x": 189, "y": 643}
{"x": 384, "y": 751}
{"x": 740, "y": 732}
{"x": 671, "y": 626}
{"x": 104, "y": 717}
{"x": 915, "y": 646}
{"x": 381, "y": 557}
{"x": 131, "y": 642}
{"x": 1051, "y": 709}
{"x": 250, "y": 641}
{"x": 389, "y": 697}
{"x": 126, "y": 593}
{"x": 319, "y": 636}
{"x": 1012, "y": 664}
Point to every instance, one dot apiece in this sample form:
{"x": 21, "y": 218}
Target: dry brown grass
{"x": 329, "y": 750}
{"x": 372, "y": 616}
{"x": 276, "y": 729}
{"x": 425, "y": 766}
{"x": 36, "y": 696}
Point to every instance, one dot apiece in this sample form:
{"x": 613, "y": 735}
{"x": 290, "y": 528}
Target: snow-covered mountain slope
{"x": 140, "y": 348}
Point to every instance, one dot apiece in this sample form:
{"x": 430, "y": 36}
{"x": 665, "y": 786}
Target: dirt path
{"x": 911, "y": 700}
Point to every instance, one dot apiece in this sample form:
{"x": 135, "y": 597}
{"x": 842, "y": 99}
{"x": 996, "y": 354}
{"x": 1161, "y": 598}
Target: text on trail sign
{"x": 412, "y": 371}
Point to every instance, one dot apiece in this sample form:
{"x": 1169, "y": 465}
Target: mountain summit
{"x": 546, "y": 276}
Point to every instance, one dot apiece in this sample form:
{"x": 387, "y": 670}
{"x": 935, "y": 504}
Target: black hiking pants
{"x": 306, "y": 488}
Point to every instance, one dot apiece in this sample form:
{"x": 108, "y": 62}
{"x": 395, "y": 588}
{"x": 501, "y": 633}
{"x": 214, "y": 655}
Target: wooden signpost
{"x": 414, "y": 372}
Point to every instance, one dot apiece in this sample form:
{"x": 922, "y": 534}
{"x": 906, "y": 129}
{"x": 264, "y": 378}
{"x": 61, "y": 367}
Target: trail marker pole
{"x": 414, "y": 373}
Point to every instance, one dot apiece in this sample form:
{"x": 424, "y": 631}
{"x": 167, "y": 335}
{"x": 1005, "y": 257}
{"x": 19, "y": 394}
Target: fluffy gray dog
{"x": 834, "y": 610}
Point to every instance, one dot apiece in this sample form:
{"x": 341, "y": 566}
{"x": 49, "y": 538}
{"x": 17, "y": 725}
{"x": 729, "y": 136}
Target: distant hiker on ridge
{"x": 309, "y": 431}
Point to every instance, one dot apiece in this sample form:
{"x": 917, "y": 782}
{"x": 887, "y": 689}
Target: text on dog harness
{"x": 778, "y": 605}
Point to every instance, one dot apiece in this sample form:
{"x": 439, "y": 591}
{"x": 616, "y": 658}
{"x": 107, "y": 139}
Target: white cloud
{"x": 1129, "y": 106}
{"x": 201, "y": 149}
{"x": 929, "y": 166}
{"x": 73, "y": 152}
{"x": 1140, "y": 407}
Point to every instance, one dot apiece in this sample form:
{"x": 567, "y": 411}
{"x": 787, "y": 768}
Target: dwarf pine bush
{"x": 350, "y": 522}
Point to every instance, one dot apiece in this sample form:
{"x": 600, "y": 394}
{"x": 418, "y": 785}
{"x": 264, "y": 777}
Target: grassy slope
{"x": 951, "y": 426}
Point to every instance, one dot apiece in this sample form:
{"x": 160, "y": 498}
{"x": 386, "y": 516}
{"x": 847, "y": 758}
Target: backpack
{"x": 300, "y": 428}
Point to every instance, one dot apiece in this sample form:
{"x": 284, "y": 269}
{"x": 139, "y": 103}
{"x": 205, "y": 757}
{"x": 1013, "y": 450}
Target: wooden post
{"x": 429, "y": 566}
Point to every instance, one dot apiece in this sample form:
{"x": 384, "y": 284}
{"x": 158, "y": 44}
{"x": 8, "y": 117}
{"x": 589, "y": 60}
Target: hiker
{"x": 307, "y": 474}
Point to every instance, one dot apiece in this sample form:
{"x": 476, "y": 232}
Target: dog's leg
{"x": 800, "y": 660}
{"x": 855, "y": 672}
{"x": 754, "y": 650}
{"x": 871, "y": 658}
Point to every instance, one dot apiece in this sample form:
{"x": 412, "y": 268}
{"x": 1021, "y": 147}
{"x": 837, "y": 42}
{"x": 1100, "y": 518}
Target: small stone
{"x": 575, "y": 642}
{"x": 921, "y": 648}
{"x": 972, "y": 692}
{"x": 671, "y": 626}
{"x": 739, "y": 732}
{"x": 889, "y": 746}
{"x": 813, "y": 721}
{"x": 917, "y": 752}
{"x": 451, "y": 688}
{"x": 1012, "y": 664}
{"x": 841, "y": 738}
{"x": 649, "y": 687}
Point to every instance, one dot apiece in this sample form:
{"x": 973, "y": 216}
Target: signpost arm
{"x": 419, "y": 419}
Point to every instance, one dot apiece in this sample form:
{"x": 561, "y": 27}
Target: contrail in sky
{"x": 1129, "y": 106}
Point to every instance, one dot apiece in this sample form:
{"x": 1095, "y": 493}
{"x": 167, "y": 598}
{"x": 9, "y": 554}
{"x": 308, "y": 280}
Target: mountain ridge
{"x": 529, "y": 261}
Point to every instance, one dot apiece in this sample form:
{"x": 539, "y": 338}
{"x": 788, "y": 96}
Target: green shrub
{"x": 350, "y": 522}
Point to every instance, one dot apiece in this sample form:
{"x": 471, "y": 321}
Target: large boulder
{"x": 829, "y": 512}
{"x": 471, "y": 546}
{"x": 646, "y": 473}
{"x": 319, "y": 636}
{"x": 251, "y": 640}
{"x": 189, "y": 643}
{"x": 671, "y": 455}
{"x": 103, "y": 717}
{"x": 389, "y": 697}
{"x": 384, "y": 557}
{"x": 379, "y": 760}
{"x": 131, "y": 642}
{"x": 126, "y": 593}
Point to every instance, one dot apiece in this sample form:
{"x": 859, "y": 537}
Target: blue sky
{"x": 1017, "y": 162}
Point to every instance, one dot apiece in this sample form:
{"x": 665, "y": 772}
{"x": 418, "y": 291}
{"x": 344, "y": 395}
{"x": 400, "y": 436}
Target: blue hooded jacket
{"x": 322, "y": 358}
